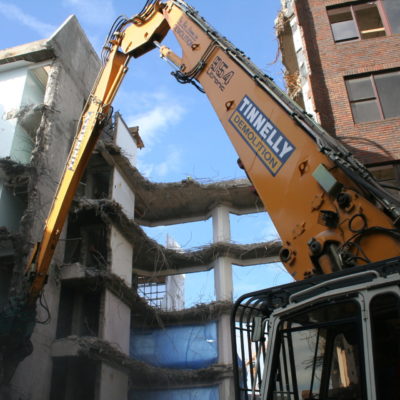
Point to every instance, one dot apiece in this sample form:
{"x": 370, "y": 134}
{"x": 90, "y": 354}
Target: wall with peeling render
{"x": 72, "y": 68}
{"x": 20, "y": 92}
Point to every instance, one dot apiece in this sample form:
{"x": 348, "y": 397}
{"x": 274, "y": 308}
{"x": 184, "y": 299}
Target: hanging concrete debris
{"x": 154, "y": 258}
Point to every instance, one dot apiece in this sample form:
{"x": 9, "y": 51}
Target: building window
{"x": 359, "y": 21}
{"x": 374, "y": 97}
{"x": 392, "y": 11}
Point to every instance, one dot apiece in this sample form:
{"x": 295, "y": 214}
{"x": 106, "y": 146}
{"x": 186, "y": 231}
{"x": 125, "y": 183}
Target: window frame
{"x": 371, "y": 76}
{"x": 373, "y": 323}
{"x": 279, "y": 342}
{"x": 350, "y": 7}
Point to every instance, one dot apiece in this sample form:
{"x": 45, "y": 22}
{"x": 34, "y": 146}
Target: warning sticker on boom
{"x": 269, "y": 144}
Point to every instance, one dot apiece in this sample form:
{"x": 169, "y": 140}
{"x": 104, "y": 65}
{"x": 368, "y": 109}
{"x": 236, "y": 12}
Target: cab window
{"x": 319, "y": 355}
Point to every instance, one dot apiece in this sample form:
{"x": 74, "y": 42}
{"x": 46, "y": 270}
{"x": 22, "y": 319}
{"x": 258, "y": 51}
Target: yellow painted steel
{"x": 95, "y": 112}
{"x": 281, "y": 170}
{"x": 289, "y": 192}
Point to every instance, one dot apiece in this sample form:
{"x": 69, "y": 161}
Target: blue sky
{"x": 182, "y": 135}
{"x": 176, "y": 121}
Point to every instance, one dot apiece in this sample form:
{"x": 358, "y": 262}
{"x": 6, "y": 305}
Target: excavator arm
{"x": 319, "y": 198}
{"x": 131, "y": 39}
{"x": 327, "y": 208}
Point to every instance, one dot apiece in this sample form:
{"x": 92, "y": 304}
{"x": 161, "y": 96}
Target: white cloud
{"x": 156, "y": 120}
{"x": 156, "y": 113}
{"x": 160, "y": 113}
{"x": 269, "y": 232}
{"x": 14, "y": 13}
{"x": 94, "y": 12}
{"x": 171, "y": 163}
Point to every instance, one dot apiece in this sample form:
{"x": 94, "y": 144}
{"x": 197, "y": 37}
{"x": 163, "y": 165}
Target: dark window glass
{"x": 319, "y": 355}
{"x": 374, "y": 97}
{"x": 366, "y": 111}
{"x": 360, "y": 88}
{"x": 343, "y": 26}
{"x": 392, "y": 8}
{"x": 388, "y": 86}
{"x": 385, "y": 324}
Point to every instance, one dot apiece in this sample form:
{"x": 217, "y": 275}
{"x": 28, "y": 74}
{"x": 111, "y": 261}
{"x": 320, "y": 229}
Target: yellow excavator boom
{"x": 327, "y": 208}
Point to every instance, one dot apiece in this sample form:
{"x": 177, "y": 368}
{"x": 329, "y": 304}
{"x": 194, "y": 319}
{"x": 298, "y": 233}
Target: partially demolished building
{"x": 343, "y": 66}
{"x": 98, "y": 336}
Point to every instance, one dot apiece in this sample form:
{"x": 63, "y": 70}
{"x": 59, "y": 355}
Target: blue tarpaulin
{"x": 176, "y": 347}
{"x": 207, "y": 393}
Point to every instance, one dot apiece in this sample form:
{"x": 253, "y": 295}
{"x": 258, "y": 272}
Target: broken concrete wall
{"x": 78, "y": 313}
{"x": 150, "y": 257}
{"x": 294, "y": 57}
{"x": 141, "y": 375}
{"x": 73, "y": 66}
{"x": 142, "y": 314}
{"x": 164, "y": 329}
{"x": 21, "y": 95}
{"x": 174, "y": 203}
{"x": 154, "y": 332}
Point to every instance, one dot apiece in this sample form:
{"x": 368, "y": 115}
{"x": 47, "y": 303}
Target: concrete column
{"x": 121, "y": 256}
{"x": 224, "y": 340}
{"x": 223, "y": 279}
{"x": 116, "y": 320}
{"x": 222, "y": 266}
{"x": 224, "y": 292}
{"x": 221, "y": 224}
{"x": 226, "y": 389}
{"x": 114, "y": 383}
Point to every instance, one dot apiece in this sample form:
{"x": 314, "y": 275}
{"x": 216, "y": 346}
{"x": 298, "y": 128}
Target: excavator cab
{"x": 326, "y": 338}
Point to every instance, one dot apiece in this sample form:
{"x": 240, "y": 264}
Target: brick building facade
{"x": 343, "y": 65}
